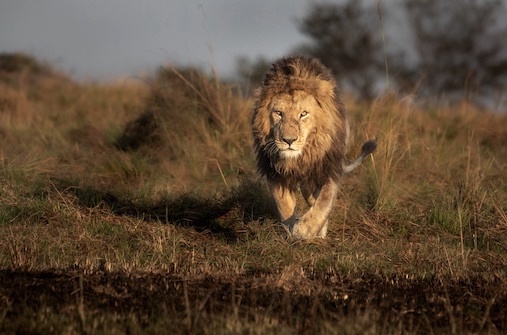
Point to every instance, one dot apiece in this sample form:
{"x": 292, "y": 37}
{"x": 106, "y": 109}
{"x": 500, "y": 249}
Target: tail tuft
{"x": 368, "y": 147}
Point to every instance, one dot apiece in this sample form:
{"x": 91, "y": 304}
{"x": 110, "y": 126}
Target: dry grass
{"x": 159, "y": 178}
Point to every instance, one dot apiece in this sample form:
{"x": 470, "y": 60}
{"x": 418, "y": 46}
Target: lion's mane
{"x": 325, "y": 148}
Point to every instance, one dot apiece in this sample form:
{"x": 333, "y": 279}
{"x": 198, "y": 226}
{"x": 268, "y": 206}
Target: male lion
{"x": 300, "y": 132}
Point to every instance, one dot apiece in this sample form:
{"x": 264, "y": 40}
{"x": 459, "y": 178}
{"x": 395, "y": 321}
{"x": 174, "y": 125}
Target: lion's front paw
{"x": 307, "y": 229}
{"x": 291, "y": 222}
{"x": 298, "y": 228}
{"x": 302, "y": 229}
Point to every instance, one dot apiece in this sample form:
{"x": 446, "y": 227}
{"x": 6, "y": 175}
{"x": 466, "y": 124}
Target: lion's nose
{"x": 289, "y": 140}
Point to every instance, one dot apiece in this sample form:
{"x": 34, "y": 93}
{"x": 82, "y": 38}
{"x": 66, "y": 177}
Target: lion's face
{"x": 299, "y": 124}
{"x": 293, "y": 120}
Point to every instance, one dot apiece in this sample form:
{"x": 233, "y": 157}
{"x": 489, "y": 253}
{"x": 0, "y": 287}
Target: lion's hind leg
{"x": 308, "y": 194}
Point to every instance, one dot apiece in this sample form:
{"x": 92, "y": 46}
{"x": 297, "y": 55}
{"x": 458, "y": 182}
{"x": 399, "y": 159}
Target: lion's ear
{"x": 261, "y": 122}
{"x": 325, "y": 88}
{"x": 261, "y": 128}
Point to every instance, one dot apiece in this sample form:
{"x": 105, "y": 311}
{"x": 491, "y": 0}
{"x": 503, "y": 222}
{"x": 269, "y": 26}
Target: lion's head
{"x": 299, "y": 124}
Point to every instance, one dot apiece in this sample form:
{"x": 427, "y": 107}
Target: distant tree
{"x": 461, "y": 48}
{"x": 346, "y": 37}
{"x": 458, "y": 48}
{"x": 251, "y": 72}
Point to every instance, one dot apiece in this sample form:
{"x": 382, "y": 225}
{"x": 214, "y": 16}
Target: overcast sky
{"x": 107, "y": 39}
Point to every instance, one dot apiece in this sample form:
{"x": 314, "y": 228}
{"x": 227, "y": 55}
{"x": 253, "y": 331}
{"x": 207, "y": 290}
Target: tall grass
{"x": 159, "y": 178}
{"x": 135, "y": 149}
{"x": 195, "y": 122}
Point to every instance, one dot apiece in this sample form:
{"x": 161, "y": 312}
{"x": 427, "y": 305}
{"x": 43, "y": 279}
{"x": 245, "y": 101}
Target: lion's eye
{"x": 303, "y": 114}
{"x": 278, "y": 113}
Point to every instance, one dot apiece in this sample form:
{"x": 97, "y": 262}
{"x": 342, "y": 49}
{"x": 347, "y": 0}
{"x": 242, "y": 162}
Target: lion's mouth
{"x": 289, "y": 153}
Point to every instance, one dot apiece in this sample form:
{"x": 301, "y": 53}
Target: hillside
{"x": 135, "y": 207}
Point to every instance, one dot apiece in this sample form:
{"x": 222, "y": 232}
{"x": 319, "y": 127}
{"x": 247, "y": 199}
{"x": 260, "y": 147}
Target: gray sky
{"x": 107, "y": 39}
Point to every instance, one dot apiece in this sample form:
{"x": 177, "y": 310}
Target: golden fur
{"x": 300, "y": 132}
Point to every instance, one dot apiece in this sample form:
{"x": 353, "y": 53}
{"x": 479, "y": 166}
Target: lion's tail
{"x": 368, "y": 148}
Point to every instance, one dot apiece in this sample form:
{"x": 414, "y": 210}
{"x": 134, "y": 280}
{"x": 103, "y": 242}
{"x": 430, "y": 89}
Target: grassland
{"x": 134, "y": 207}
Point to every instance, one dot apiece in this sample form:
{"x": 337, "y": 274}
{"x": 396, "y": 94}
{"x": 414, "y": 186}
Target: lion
{"x": 301, "y": 131}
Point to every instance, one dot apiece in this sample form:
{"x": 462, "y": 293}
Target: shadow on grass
{"x": 360, "y": 304}
{"x": 223, "y": 215}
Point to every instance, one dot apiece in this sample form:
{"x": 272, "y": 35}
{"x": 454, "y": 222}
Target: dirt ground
{"x": 408, "y": 305}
